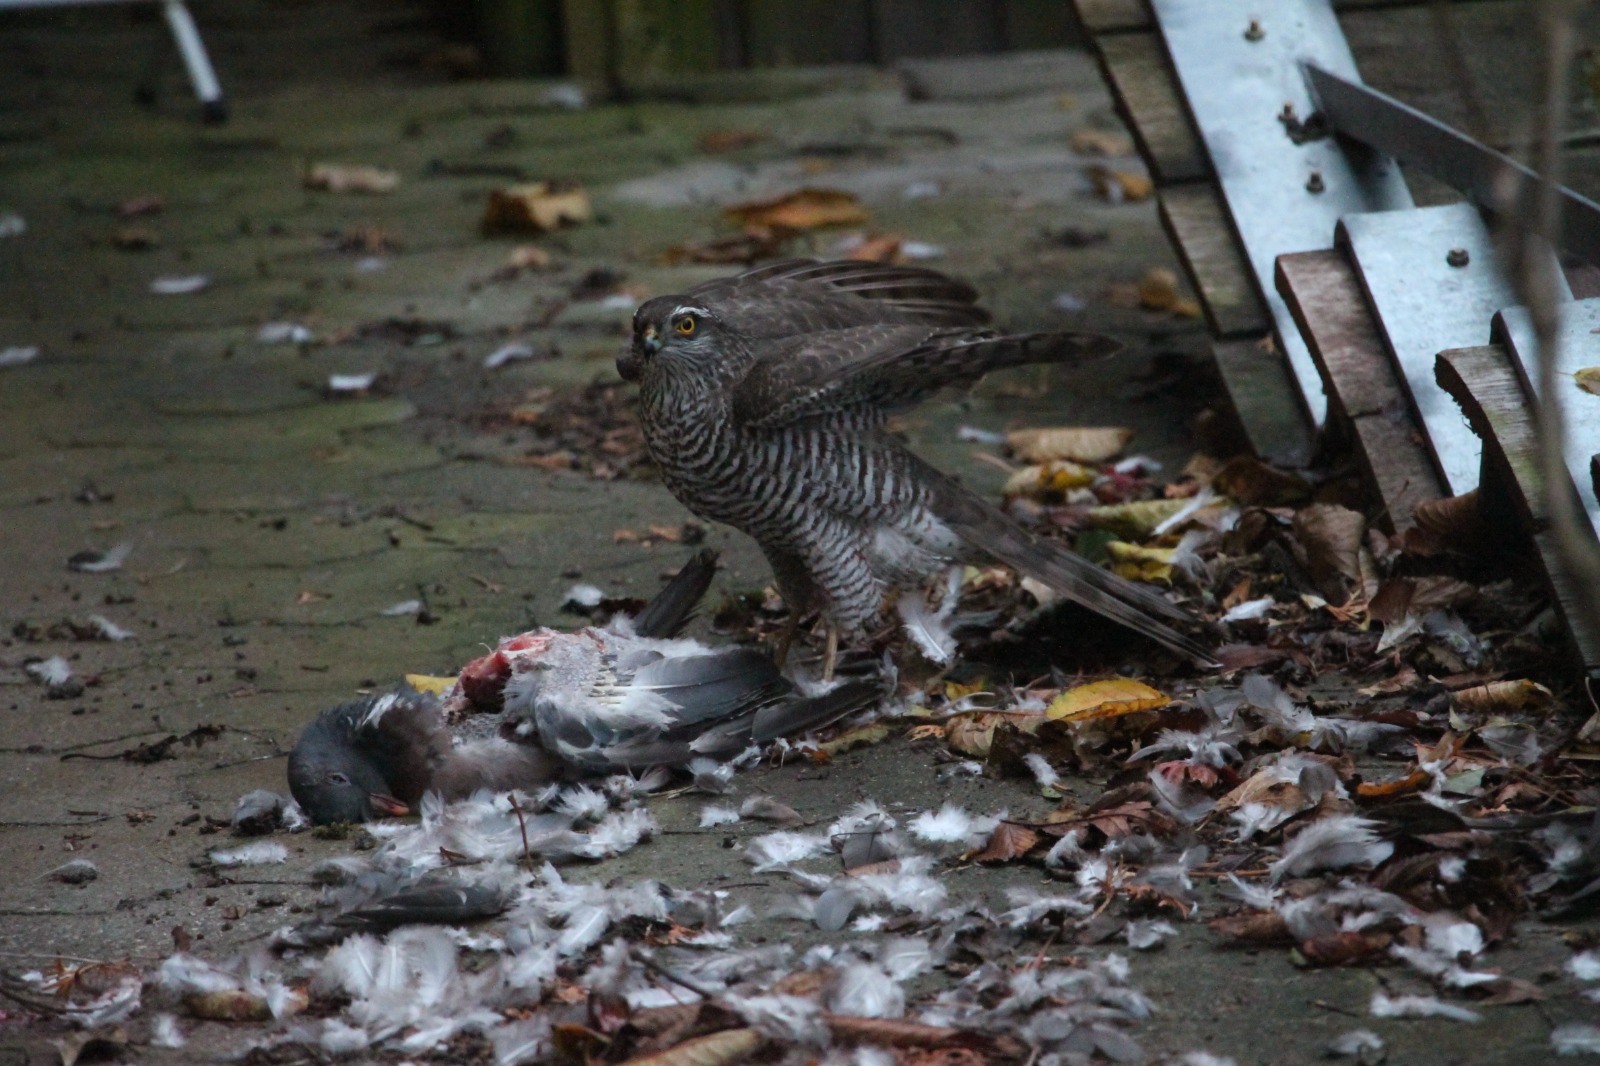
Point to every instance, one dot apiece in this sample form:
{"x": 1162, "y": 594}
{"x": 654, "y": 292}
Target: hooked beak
{"x": 387, "y": 804}
{"x": 631, "y": 360}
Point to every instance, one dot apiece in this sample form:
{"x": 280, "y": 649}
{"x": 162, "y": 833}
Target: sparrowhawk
{"x": 764, "y": 400}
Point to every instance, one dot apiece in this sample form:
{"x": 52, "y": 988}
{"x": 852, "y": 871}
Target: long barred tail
{"x": 1124, "y": 602}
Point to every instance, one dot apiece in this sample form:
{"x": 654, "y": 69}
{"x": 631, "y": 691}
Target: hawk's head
{"x": 667, "y": 325}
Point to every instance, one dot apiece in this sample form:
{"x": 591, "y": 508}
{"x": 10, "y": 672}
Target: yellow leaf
{"x": 1134, "y": 520}
{"x": 1138, "y": 563}
{"x": 1048, "y": 479}
{"x": 1105, "y": 699}
{"x": 1085, "y": 444}
{"x": 1588, "y": 379}
{"x": 955, "y": 691}
{"x": 434, "y": 686}
{"x": 854, "y": 738}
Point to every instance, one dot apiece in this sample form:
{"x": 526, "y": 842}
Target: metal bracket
{"x": 1469, "y": 166}
{"x": 1239, "y": 64}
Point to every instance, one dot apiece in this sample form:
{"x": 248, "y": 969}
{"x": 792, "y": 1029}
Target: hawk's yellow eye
{"x": 685, "y": 325}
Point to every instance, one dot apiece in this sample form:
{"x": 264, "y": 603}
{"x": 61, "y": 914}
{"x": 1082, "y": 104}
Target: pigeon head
{"x": 674, "y": 328}
{"x": 337, "y": 775}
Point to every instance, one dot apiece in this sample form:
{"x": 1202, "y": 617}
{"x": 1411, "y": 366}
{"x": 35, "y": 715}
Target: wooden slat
{"x": 1110, "y": 16}
{"x": 1122, "y": 16}
{"x": 1324, "y": 296}
{"x": 1146, "y": 94}
{"x": 1265, "y": 398}
{"x": 1484, "y": 382}
{"x": 1197, "y": 221}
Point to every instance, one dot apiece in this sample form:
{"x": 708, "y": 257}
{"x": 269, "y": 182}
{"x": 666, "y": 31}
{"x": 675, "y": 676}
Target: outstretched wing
{"x": 888, "y": 366}
{"x": 800, "y": 296}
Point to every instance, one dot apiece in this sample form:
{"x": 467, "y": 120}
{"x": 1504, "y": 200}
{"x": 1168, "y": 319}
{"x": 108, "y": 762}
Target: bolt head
{"x": 1458, "y": 257}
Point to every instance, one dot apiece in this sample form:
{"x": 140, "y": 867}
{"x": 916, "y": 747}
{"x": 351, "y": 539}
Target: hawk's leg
{"x": 831, "y": 656}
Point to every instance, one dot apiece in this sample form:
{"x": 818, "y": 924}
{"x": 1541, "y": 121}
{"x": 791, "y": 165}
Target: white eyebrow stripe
{"x": 690, "y": 309}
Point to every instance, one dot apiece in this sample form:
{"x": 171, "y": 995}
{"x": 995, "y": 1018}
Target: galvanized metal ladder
{"x": 213, "y": 106}
{"x": 1332, "y": 298}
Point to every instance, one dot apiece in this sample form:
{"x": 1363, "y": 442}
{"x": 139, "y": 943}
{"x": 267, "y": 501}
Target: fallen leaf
{"x": 1588, "y": 380}
{"x": 1345, "y": 948}
{"x": 1253, "y": 483}
{"x": 134, "y": 238}
{"x": 1048, "y": 480}
{"x": 1009, "y": 842}
{"x": 973, "y": 733}
{"x": 1253, "y": 927}
{"x": 334, "y": 177}
{"x": 718, "y": 141}
{"x": 1503, "y": 697}
{"x": 859, "y": 737}
{"x": 1454, "y": 524}
{"x": 1334, "y": 539}
{"x": 1158, "y": 291}
{"x": 714, "y": 1049}
{"x": 1082, "y": 444}
{"x": 237, "y": 1005}
{"x": 1139, "y": 563}
{"x": 1134, "y": 521}
{"x": 529, "y": 257}
{"x": 428, "y": 683}
{"x": 881, "y": 248}
{"x": 538, "y": 207}
{"x": 1101, "y": 142}
{"x": 804, "y": 209}
{"x": 1105, "y": 699}
{"x": 756, "y": 242}
{"x": 1121, "y": 186}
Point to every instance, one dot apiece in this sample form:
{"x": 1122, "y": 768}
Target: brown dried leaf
{"x": 717, "y": 141}
{"x": 804, "y": 209}
{"x": 1121, "y": 186}
{"x": 1334, "y": 539}
{"x": 1253, "y": 927}
{"x": 237, "y": 1005}
{"x": 1009, "y": 842}
{"x": 1081, "y": 444}
{"x": 1158, "y": 291}
{"x": 1101, "y": 142}
{"x": 1454, "y": 524}
{"x": 538, "y": 207}
{"x": 756, "y": 242}
{"x": 1503, "y": 697}
{"x": 1342, "y": 949}
{"x": 335, "y": 177}
{"x": 879, "y": 248}
{"x": 714, "y": 1049}
{"x": 1253, "y": 483}
{"x": 973, "y": 733}
{"x": 1588, "y": 380}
